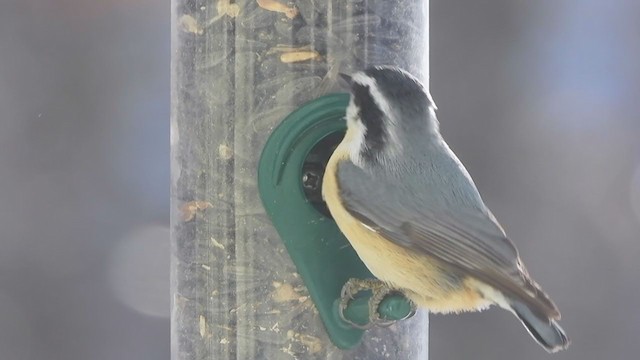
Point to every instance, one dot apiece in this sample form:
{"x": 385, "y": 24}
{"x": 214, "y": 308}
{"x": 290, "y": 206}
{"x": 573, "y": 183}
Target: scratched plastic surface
{"x": 238, "y": 69}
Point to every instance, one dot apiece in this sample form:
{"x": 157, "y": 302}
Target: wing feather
{"x": 466, "y": 238}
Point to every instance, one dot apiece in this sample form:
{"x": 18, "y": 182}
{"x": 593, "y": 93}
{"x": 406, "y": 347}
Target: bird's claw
{"x": 379, "y": 291}
{"x": 374, "y": 305}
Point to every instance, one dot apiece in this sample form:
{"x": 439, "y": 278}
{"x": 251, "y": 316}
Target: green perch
{"x": 289, "y": 179}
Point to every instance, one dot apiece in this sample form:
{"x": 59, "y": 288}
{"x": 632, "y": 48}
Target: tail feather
{"x": 544, "y": 330}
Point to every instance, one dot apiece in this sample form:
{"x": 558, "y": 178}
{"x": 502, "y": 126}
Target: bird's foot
{"x": 379, "y": 291}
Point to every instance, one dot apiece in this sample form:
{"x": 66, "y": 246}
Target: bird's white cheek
{"x": 351, "y": 113}
{"x": 357, "y": 142}
{"x": 355, "y": 133}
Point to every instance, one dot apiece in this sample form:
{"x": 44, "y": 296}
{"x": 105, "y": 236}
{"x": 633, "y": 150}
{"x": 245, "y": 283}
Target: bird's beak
{"x": 346, "y": 78}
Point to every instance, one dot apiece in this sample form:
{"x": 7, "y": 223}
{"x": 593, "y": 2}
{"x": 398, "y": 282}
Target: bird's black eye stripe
{"x": 372, "y": 118}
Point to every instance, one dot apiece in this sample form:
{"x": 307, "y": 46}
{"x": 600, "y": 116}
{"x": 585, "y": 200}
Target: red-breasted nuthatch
{"x": 412, "y": 213}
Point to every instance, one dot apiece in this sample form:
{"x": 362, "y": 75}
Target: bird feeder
{"x": 257, "y": 261}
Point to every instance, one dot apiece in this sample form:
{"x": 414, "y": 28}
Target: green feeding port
{"x": 290, "y": 183}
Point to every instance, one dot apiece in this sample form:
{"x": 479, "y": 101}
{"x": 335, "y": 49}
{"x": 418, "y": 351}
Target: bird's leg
{"x": 349, "y": 290}
{"x": 379, "y": 290}
{"x": 353, "y": 286}
{"x": 374, "y": 304}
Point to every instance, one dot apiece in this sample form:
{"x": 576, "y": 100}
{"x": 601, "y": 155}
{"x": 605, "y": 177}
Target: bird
{"x": 414, "y": 216}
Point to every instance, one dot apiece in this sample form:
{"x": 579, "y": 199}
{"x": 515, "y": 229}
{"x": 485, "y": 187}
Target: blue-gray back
{"x": 428, "y": 203}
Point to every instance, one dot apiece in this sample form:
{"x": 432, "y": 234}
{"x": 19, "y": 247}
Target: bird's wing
{"x": 466, "y": 238}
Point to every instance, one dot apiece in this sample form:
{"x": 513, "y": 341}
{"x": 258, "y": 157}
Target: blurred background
{"x": 538, "y": 99}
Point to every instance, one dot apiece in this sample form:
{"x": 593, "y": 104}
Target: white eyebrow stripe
{"x": 362, "y": 79}
{"x": 393, "y": 145}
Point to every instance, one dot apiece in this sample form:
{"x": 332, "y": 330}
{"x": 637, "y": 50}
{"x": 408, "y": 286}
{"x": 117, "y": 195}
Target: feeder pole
{"x": 238, "y": 69}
